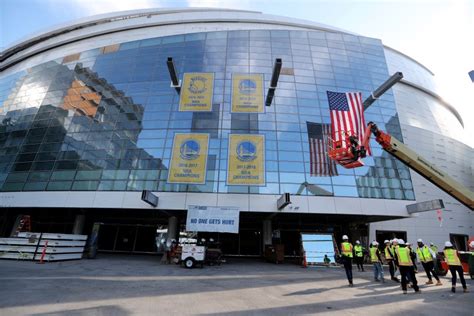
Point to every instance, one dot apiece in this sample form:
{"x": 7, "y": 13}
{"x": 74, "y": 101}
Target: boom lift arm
{"x": 422, "y": 166}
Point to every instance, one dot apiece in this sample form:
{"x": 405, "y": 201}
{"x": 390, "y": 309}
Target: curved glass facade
{"x": 105, "y": 119}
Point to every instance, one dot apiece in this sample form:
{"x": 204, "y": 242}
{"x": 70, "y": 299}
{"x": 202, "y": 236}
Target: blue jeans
{"x": 378, "y": 271}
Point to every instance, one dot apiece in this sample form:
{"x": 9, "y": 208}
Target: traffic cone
{"x": 305, "y": 263}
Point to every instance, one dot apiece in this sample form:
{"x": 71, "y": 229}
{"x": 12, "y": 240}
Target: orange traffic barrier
{"x": 44, "y": 252}
{"x": 305, "y": 263}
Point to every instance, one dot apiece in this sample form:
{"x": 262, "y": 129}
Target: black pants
{"x": 429, "y": 269}
{"x": 360, "y": 262}
{"x": 348, "y": 267}
{"x": 459, "y": 270}
{"x": 408, "y": 274}
{"x": 391, "y": 268}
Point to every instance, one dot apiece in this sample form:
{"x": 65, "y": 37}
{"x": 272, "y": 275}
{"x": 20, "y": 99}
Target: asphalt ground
{"x": 140, "y": 285}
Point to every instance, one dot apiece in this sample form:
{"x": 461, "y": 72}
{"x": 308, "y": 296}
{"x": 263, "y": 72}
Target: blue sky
{"x": 438, "y": 33}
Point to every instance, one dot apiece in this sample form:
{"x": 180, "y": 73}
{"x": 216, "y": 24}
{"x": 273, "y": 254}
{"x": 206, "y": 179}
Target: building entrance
{"x": 127, "y": 238}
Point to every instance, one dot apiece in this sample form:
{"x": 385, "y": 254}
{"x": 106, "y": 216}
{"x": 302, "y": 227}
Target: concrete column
{"x": 267, "y": 232}
{"x": 78, "y": 227}
{"x": 173, "y": 228}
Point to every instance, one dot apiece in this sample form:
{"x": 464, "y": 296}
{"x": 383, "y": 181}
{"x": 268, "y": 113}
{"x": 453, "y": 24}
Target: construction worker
{"x": 426, "y": 255}
{"x": 434, "y": 248}
{"x": 347, "y": 255}
{"x": 376, "y": 259}
{"x": 359, "y": 256}
{"x": 389, "y": 258}
{"x": 452, "y": 259}
{"x": 471, "y": 260}
{"x": 412, "y": 256}
{"x": 404, "y": 262}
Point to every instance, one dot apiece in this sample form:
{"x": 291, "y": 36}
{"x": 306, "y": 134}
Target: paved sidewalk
{"x": 139, "y": 285}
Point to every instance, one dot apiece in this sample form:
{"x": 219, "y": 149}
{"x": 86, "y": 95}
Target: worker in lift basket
{"x": 347, "y": 255}
{"x": 452, "y": 259}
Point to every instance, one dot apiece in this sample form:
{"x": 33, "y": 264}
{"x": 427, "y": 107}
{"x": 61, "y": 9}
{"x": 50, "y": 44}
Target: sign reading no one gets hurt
{"x": 212, "y": 219}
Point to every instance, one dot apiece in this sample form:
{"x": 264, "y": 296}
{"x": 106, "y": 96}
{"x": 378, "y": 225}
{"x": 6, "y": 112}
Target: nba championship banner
{"x": 196, "y": 92}
{"x": 247, "y": 93}
{"x": 189, "y": 158}
{"x": 246, "y": 160}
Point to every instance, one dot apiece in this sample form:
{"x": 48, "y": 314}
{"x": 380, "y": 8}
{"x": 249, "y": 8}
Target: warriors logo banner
{"x": 247, "y": 93}
{"x": 246, "y": 160}
{"x": 189, "y": 158}
{"x": 196, "y": 92}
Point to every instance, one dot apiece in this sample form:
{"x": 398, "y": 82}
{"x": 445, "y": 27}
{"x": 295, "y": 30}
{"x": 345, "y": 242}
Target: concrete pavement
{"x": 140, "y": 285}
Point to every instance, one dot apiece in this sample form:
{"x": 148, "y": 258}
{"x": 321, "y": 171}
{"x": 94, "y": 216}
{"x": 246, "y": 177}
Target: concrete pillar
{"x": 78, "y": 227}
{"x": 267, "y": 232}
{"x": 173, "y": 228}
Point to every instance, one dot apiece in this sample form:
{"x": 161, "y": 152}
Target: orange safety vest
{"x": 452, "y": 258}
{"x": 346, "y": 249}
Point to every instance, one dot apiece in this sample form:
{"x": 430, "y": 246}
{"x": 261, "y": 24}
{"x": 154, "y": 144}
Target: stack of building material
{"x": 31, "y": 246}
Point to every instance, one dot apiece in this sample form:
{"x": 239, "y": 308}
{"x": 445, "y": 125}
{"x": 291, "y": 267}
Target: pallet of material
{"x": 30, "y": 246}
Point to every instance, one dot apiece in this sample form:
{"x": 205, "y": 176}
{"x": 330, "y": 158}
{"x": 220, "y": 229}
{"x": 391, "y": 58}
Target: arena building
{"x": 89, "y": 120}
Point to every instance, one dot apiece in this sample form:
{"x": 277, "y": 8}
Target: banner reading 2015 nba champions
{"x": 247, "y": 93}
{"x": 246, "y": 160}
{"x": 196, "y": 92}
{"x": 189, "y": 158}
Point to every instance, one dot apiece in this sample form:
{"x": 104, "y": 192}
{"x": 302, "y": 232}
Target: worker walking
{"x": 404, "y": 262}
{"x": 452, "y": 259}
{"x": 389, "y": 258}
{"x": 376, "y": 259}
{"x": 347, "y": 255}
{"x": 426, "y": 255}
{"x": 434, "y": 248}
{"x": 359, "y": 256}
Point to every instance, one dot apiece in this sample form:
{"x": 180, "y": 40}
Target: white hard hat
{"x": 357, "y": 242}
{"x": 408, "y": 244}
{"x": 396, "y": 240}
{"x": 400, "y": 241}
{"x": 471, "y": 244}
{"x": 386, "y": 241}
{"x": 448, "y": 244}
{"x": 375, "y": 243}
{"x": 419, "y": 240}
{"x": 345, "y": 237}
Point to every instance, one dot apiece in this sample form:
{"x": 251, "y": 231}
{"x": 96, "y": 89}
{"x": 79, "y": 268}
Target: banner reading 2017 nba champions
{"x": 196, "y": 92}
{"x": 246, "y": 160}
{"x": 189, "y": 158}
{"x": 247, "y": 93}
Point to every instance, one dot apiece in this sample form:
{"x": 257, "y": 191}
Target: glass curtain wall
{"x": 105, "y": 119}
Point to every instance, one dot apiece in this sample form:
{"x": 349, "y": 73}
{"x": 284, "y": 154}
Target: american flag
{"x": 320, "y": 164}
{"x": 347, "y": 115}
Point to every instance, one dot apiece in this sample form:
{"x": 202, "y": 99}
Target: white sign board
{"x": 212, "y": 219}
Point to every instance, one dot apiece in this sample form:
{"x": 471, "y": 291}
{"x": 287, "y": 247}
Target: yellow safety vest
{"x": 346, "y": 248}
{"x": 358, "y": 251}
{"x": 403, "y": 255}
{"x": 424, "y": 254}
{"x": 435, "y": 249}
{"x": 452, "y": 258}
{"x": 373, "y": 255}
{"x": 388, "y": 253}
